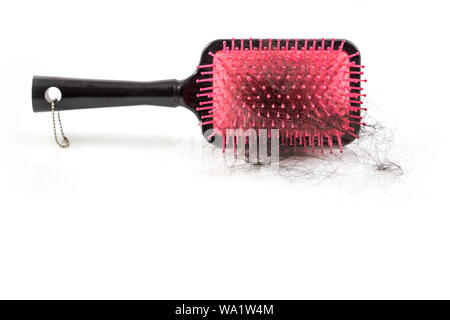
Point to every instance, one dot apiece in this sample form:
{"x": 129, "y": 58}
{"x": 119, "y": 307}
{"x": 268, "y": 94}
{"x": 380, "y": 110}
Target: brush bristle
{"x": 304, "y": 92}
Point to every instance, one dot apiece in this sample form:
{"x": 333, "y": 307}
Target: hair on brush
{"x": 308, "y": 90}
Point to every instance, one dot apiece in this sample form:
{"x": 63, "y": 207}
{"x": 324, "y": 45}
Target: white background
{"x": 138, "y": 206}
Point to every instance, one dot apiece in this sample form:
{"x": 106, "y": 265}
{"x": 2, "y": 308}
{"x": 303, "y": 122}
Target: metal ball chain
{"x": 65, "y": 143}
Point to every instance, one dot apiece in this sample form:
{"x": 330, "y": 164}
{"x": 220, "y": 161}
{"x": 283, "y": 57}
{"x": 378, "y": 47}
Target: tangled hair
{"x": 373, "y": 154}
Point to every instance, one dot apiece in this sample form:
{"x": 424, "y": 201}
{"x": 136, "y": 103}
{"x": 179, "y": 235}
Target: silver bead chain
{"x": 65, "y": 143}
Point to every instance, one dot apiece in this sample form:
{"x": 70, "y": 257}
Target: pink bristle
{"x": 305, "y": 91}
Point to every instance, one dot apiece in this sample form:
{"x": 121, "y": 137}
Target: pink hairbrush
{"x": 309, "y": 90}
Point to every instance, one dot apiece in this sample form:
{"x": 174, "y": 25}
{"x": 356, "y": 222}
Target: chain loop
{"x": 65, "y": 143}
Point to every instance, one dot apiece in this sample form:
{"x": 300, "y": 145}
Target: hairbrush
{"x": 307, "y": 90}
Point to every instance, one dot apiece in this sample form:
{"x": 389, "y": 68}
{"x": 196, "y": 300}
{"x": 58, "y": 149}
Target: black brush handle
{"x": 87, "y": 93}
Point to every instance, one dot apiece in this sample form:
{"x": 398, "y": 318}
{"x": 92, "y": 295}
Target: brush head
{"x": 308, "y": 90}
